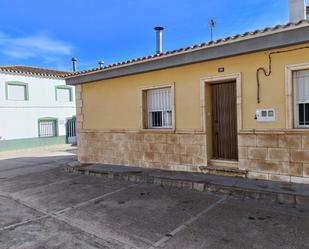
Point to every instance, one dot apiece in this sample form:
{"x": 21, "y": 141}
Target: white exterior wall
{"x": 19, "y": 119}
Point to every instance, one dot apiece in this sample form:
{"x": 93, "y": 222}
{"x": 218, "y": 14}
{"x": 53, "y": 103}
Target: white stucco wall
{"x": 19, "y": 119}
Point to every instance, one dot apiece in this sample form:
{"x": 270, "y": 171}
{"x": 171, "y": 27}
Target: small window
{"x": 63, "y": 94}
{"x": 159, "y": 108}
{"x": 16, "y": 91}
{"x": 47, "y": 127}
{"x": 301, "y": 86}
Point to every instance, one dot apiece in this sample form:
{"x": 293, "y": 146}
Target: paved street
{"x": 41, "y": 206}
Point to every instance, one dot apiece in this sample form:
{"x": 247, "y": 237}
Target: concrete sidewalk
{"x": 48, "y": 151}
{"x": 280, "y": 192}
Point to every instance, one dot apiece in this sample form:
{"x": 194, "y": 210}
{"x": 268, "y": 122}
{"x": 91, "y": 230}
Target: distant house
{"x": 238, "y": 105}
{"x": 35, "y": 107}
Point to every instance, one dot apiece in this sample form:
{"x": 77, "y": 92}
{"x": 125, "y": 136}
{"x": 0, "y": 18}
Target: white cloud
{"x": 40, "y": 45}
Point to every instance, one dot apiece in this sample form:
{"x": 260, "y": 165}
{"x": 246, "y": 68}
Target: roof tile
{"x": 33, "y": 71}
{"x": 234, "y": 38}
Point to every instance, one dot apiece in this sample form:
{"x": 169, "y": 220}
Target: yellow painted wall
{"x": 115, "y": 103}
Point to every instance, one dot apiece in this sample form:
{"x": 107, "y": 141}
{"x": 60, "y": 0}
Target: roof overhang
{"x": 280, "y": 39}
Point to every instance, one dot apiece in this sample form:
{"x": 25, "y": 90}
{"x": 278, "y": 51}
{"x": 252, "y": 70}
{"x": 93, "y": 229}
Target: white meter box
{"x": 265, "y": 115}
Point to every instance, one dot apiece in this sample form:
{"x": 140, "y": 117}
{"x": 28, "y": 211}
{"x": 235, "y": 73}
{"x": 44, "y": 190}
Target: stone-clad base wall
{"x": 181, "y": 152}
{"x": 279, "y": 157}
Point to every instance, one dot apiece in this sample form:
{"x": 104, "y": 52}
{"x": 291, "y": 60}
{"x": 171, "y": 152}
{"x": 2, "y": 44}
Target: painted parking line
{"x": 94, "y": 199}
{"x": 22, "y": 223}
{"x": 185, "y": 224}
{"x": 10, "y": 194}
{"x": 57, "y": 214}
{"x": 88, "y": 229}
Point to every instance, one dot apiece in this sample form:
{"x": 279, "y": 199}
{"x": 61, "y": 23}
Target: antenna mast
{"x": 212, "y": 25}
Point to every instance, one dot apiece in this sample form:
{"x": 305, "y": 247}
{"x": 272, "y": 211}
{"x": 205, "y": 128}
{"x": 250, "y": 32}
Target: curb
{"x": 202, "y": 186}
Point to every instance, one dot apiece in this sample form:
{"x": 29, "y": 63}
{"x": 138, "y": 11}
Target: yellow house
{"x": 239, "y": 105}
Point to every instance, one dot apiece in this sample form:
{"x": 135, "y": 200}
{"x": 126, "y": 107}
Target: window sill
{"x": 300, "y": 129}
{"x": 18, "y": 100}
{"x": 163, "y": 130}
{"x": 48, "y": 137}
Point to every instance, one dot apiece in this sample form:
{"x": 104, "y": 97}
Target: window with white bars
{"x": 301, "y": 88}
{"x": 159, "y": 108}
{"x": 48, "y": 128}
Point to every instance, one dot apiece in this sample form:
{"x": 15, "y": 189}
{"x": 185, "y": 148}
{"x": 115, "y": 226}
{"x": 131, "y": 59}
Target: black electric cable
{"x": 268, "y": 73}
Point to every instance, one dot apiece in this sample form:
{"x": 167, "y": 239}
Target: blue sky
{"x": 48, "y": 33}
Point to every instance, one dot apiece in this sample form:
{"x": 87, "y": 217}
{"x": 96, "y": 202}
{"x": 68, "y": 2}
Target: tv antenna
{"x": 212, "y": 25}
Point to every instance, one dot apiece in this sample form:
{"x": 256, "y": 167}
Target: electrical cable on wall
{"x": 268, "y": 73}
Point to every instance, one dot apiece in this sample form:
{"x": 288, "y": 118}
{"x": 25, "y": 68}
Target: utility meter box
{"x": 265, "y": 115}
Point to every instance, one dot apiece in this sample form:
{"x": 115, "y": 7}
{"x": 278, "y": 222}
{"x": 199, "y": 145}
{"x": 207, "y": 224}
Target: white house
{"x": 35, "y": 107}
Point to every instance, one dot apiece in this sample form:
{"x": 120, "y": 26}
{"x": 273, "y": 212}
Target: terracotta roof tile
{"x": 38, "y": 71}
{"x": 235, "y": 38}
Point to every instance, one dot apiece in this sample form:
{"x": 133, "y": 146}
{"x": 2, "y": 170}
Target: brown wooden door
{"x": 224, "y": 116}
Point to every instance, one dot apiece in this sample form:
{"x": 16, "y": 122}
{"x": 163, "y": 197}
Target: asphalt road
{"x": 43, "y": 207}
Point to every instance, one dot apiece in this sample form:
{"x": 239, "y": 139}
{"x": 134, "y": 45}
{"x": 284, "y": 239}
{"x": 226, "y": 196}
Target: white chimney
{"x": 297, "y": 9}
{"x": 101, "y": 64}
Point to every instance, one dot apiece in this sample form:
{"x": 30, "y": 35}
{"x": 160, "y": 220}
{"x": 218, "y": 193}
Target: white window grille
{"x": 48, "y": 128}
{"x": 301, "y": 87}
{"x": 159, "y": 105}
{"x": 16, "y": 92}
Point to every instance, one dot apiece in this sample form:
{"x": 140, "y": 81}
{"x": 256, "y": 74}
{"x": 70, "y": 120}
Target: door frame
{"x": 237, "y": 77}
